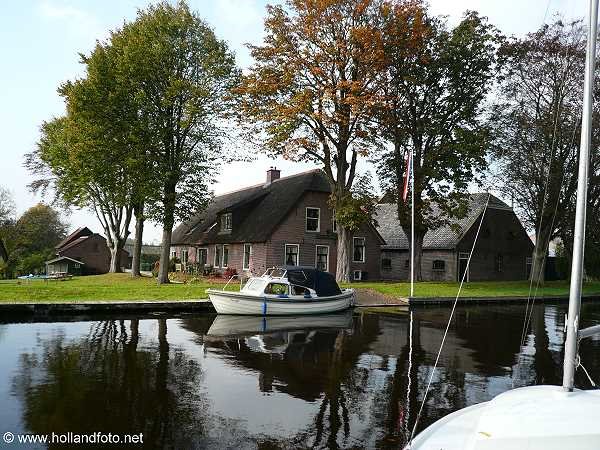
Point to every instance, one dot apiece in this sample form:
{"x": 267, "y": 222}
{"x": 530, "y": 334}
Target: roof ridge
{"x": 306, "y": 172}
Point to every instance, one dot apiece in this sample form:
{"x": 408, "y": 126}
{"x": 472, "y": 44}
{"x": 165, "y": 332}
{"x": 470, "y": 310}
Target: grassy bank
{"x": 118, "y": 286}
{"x": 123, "y": 287}
{"x": 476, "y": 289}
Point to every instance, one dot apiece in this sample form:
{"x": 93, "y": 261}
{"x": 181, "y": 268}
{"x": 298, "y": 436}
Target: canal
{"x": 351, "y": 380}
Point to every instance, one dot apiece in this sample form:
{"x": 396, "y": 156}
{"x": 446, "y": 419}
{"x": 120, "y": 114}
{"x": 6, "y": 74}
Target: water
{"x": 342, "y": 381}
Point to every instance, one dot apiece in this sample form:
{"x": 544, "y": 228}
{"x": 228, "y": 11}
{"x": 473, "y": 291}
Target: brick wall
{"x": 400, "y": 270}
{"x": 94, "y": 253}
{"x": 502, "y": 237}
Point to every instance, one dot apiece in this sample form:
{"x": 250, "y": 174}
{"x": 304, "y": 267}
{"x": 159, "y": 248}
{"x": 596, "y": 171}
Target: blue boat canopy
{"x": 323, "y": 283}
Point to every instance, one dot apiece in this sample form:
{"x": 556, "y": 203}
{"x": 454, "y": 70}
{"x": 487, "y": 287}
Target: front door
{"x": 463, "y": 259}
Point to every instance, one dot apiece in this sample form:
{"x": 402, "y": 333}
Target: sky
{"x": 42, "y": 39}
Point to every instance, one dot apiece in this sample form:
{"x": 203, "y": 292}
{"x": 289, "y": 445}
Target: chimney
{"x": 273, "y": 174}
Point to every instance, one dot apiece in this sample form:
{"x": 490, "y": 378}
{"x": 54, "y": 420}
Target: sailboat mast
{"x": 572, "y": 342}
{"x": 412, "y": 223}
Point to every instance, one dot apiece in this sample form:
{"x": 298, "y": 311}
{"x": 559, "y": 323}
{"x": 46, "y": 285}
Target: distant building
{"x": 284, "y": 221}
{"x": 503, "y": 250}
{"x": 83, "y": 252}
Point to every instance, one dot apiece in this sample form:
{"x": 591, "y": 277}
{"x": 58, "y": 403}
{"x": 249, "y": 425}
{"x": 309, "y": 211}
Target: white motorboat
{"x": 290, "y": 290}
{"x": 539, "y": 417}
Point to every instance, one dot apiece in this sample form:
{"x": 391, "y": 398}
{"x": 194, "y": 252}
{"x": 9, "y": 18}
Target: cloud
{"x": 76, "y": 22}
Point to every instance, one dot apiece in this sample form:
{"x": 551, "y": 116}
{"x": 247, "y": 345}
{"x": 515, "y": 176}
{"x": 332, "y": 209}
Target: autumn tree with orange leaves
{"x": 312, "y": 89}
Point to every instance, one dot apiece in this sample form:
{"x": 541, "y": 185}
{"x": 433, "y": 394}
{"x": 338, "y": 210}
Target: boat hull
{"x": 226, "y": 302}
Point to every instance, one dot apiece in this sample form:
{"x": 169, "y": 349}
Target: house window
{"x": 291, "y": 254}
{"x": 439, "y": 265}
{"x": 226, "y": 222}
{"x": 313, "y": 219}
{"x": 218, "y": 253}
{"x": 406, "y": 263}
{"x": 173, "y": 254}
{"x": 386, "y": 263}
{"x": 225, "y": 256}
{"x": 77, "y": 265}
{"x": 184, "y": 256}
{"x": 358, "y": 253}
{"x": 334, "y": 222}
{"x": 528, "y": 264}
{"x": 201, "y": 256}
{"x": 322, "y": 261}
{"x": 499, "y": 263}
{"x": 247, "y": 255}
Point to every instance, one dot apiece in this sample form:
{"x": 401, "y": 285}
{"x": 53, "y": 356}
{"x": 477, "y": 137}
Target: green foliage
{"x": 33, "y": 263}
{"x": 434, "y": 106}
{"x": 357, "y": 207}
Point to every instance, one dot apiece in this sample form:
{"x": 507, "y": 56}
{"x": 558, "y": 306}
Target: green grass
{"x": 101, "y": 287}
{"x": 474, "y": 289}
{"x": 123, "y": 287}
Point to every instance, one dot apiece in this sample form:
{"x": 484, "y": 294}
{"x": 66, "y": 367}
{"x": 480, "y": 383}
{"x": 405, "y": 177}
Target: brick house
{"x": 83, "y": 252}
{"x": 503, "y": 250}
{"x": 286, "y": 220}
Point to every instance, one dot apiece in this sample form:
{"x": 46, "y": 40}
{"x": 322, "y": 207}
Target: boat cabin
{"x": 293, "y": 281}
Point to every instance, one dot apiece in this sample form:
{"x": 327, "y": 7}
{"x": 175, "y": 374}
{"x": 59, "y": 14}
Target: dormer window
{"x": 313, "y": 219}
{"x": 226, "y": 222}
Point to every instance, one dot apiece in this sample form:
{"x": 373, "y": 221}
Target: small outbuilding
{"x": 64, "y": 265}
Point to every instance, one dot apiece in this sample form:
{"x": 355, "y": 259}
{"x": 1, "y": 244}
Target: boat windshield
{"x": 276, "y": 272}
{"x": 255, "y": 285}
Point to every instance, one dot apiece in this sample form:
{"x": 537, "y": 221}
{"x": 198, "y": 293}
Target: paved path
{"x": 371, "y": 298}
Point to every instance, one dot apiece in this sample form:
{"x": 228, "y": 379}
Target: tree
{"x": 536, "y": 122}
{"x": 311, "y": 90}
{"x": 181, "y": 76}
{"x": 7, "y": 204}
{"x": 84, "y": 170}
{"x": 31, "y": 239}
{"x": 435, "y": 85}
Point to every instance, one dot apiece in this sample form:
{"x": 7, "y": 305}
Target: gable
{"x": 79, "y": 233}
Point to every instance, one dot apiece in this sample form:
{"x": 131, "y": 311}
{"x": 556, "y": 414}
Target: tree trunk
{"x": 163, "y": 271}
{"x": 538, "y": 258}
{"x": 137, "y": 247}
{"x": 115, "y": 256}
{"x": 418, "y": 252}
{"x": 342, "y": 271}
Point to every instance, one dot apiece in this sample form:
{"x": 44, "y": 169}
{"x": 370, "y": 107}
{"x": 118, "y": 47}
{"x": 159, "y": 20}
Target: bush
{"x": 229, "y": 272}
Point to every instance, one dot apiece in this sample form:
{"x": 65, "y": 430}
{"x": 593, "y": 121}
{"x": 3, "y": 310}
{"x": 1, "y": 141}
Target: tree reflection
{"x": 104, "y": 382}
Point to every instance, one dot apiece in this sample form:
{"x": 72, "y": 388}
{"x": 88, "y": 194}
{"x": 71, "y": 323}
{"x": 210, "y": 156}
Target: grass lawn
{"x": 122, "y": 287}
{"x": 119, "y": 286}
{"x": 475, "y": 289}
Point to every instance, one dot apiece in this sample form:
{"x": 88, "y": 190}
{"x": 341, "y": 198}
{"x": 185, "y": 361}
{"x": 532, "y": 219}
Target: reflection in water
{"x": 338, "y": 381}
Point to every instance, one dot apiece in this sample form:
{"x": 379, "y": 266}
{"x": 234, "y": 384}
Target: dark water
{"x": 344, "y": 381}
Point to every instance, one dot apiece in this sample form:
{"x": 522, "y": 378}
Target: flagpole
{"x": 412, "y": 224}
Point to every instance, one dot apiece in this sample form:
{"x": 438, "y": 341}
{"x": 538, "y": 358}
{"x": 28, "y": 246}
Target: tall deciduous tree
{"x": 436, "y": 81}
{"x": 537, "y": 122}
{"x": 181, "y": 76}
{"x": 84, "y": 170}
{"x": 311, "y": 90}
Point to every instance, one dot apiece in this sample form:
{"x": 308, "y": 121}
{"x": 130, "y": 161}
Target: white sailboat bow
{"x": 539, "y": 417}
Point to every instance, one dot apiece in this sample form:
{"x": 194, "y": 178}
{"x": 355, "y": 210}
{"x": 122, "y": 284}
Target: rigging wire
{"x": 531, "y": 301}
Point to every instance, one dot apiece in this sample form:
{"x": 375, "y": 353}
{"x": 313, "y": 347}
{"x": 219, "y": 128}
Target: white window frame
{"x": 198, "y": 250}
{"x": 285, "y": 246}
{"x": 464, "y": 256}
{"x": 318, "y": 230}
{"x": 216, "y": 261}
{"x": 224, "y": 264}
{"x": 173, "y": 254}
{"x": 185, "y": 252}
{"x": 244, "y": 266}
{"x": 317, "y": 256}
{"x": 333, "y": 222}
{"x": 226, "y": 222}
{"x": 364, "y": 255}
